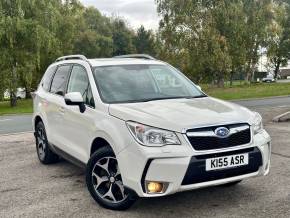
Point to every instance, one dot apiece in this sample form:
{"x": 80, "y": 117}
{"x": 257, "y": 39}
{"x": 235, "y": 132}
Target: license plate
{"x": 227, "y": 162}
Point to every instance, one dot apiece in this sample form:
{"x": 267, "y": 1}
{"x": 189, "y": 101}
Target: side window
{"x": 47, "y": 78}
{"x": 79, "y": 82}
{"x": 58, "y": 84}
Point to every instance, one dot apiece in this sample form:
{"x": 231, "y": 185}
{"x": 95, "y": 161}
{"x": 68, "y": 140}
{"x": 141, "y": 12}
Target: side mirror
{"x": 76, "y": 99}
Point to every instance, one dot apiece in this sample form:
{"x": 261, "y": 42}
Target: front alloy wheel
{"x": 104, "y": 181}
{"x": 107, "y": 180}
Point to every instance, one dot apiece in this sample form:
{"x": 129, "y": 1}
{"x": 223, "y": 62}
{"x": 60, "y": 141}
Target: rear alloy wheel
{"x": 104, "y": 181}
{"x": 45, "y": 155}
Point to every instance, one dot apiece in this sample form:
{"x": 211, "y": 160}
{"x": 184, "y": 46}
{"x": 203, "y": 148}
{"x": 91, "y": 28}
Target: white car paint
{"x": 74, "y": 132}
{"x": 188, "y": 112}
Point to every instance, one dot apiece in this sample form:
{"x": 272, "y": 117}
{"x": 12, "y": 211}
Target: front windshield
{"x": 139, "y": 83}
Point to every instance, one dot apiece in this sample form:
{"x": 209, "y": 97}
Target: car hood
{"x": 180, "y": 114}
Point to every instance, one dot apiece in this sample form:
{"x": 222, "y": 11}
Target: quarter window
{"x": 58, "y": 84}
{"x": 79, "y": 82}
{"x": 47, "y": 78}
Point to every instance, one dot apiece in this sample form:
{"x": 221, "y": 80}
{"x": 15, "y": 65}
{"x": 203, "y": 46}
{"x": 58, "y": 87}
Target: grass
{"x": 238, "y": 91}
{"x": 23, "y": 106}
{"x": 245, "y": 91}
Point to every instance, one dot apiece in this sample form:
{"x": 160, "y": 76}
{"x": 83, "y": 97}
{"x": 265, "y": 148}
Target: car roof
{"x": 122, "y": 61}
{"x": 117, "y": 60}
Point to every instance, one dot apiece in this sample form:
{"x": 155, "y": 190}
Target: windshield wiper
{"x": 165, "y": 98}
{"x": 198, "y": 96}
{"x": 161, "y": 98}
{"x": 154, "y": 99}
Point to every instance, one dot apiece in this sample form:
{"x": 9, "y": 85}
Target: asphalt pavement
{"x": 22, "y": 123}
{"x": 15, "y": 123}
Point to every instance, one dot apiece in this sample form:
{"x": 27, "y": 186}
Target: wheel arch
{"x": 102, "y": 138}
{"x": 98, "y": 143}
{"x": 40, "y": 117}
{"x": 36, "y": 120}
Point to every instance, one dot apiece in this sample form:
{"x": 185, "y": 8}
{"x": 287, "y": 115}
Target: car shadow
{"x": 201, "y": 199}
{"x": 206, "y": 201}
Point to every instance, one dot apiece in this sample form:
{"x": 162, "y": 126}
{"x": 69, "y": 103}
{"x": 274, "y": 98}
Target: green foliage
{"x": 254, "y": 90}
{"x": 23, "y": 106}
{"x": 279, "y": 38}
{"x": 122, "y": 38}
{"x": 144, "y": 42}
{"x": 33, "y": 33}
{"x": 214, "y": 39}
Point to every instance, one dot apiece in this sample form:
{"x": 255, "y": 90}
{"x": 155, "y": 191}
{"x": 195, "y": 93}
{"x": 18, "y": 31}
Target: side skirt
{"x": 67, "y": 156}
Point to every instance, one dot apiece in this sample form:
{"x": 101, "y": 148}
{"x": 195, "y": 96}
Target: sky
{"x": 135, "y": 12}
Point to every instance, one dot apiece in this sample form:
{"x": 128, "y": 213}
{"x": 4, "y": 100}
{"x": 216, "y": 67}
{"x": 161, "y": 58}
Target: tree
{"x": 95, "y": 36}
{"x": 144, "y": 42}
{"x": 15, "y": 41}
{"x": 217, "y": 38}
{"x": 122, "y": 38}
{"x": 34, "y": 33}
{"x": 193, "y": 30}
{"x": 27, "y": 43}
{"x": 279, "y": 41}
{"x": 258, "y": 17}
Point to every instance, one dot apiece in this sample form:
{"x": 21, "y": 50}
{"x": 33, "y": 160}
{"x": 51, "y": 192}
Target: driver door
{"x": 79, "y": 126}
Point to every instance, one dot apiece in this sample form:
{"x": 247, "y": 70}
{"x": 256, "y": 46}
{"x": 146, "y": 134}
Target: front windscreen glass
{"x": 140, "y": 83}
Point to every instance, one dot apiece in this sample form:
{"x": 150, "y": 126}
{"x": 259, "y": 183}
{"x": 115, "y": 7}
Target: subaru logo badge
{"x": 222, "y": 132}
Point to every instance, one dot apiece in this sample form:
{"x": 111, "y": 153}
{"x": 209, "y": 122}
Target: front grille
{"x": 206, "y": 139}
{"x": 196, "y": 172}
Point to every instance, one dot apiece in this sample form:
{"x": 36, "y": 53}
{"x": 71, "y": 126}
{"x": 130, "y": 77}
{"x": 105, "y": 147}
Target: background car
{"x": 269, "y": 79}
{"x": 20, "y": 94}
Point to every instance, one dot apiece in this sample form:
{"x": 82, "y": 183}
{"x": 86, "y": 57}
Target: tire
{"x": 44, "y": 153}
{"x": 104, "y": 181}
{"x": 230, "y": 184}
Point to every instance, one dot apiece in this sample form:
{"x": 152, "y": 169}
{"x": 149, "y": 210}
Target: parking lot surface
{"x": 29, "y": 189}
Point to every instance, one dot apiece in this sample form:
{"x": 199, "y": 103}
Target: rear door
{"x": 40, "y": 102}
{"x": 56, "y": 105}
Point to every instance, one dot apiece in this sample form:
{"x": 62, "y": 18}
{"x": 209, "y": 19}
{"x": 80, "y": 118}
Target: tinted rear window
{"x": 58, "y": 84}
{"x": 47, "y": 78}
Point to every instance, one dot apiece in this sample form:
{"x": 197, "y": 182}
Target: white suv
{"x": 141, "y": 128}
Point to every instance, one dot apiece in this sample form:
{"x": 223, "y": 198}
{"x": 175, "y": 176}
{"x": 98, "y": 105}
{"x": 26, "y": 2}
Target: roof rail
{"x": 141, "y": 56}
{"x": 71, "y": 57}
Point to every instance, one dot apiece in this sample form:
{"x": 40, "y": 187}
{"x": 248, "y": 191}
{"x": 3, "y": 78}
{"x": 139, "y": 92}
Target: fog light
{"x": 154, "y": 187}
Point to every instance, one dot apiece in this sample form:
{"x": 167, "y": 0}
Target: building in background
{"x": 263, "y": 66}
{"x": 285, "y": 71}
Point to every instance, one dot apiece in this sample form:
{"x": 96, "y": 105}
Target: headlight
{"x": 151, "y": 136}
{"x": 257, "y": 123}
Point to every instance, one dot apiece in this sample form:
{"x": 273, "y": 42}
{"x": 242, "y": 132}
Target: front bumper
{"x": 182, "y": 168}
